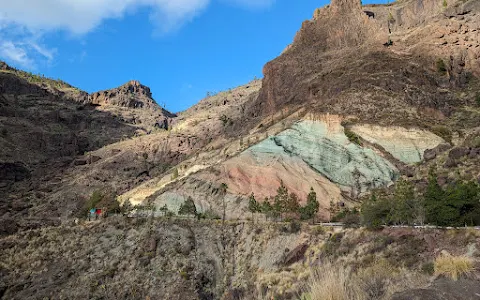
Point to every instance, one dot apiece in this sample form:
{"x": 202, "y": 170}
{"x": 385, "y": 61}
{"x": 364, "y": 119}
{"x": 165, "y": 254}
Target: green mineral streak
{"x": 332, "y": 155}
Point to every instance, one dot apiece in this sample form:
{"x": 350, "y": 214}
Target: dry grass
{"x": 453, "y": 267}
{"x": 378, "y": 281}
{"x": 333, "y": 283}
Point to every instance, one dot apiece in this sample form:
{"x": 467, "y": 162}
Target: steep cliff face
{"x": 338, "y": 63}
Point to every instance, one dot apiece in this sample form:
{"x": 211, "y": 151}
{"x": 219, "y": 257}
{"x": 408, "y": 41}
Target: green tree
{"x": 403, "y": 204}
{"x": 434, "y": 196}
{"x": 376, "y": 212}
{"x": 292, "y": 205}
{"x": 188, "y": 207}
{"x": 253, "y": 205}
{"x": 311, "y": 208}
{"x": 463, "y": 202}
{"x": 127, "y": 207}
{"x": 164, "y": 210}
{"x": 280, "y": 200}
{"x": 266, "y": 208}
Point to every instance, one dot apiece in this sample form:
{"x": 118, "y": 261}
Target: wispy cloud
{"x": 23, "y": 22}
{"x": 16, "y": 54}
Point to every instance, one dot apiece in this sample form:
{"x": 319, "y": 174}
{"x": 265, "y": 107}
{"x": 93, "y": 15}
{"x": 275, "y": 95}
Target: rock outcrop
{"x": 132, "y": 94}
{"x": 405, "y": 144}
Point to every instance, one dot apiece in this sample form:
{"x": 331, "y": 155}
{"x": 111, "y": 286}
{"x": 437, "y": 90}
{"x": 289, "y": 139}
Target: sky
{"x": 181, "y": 49}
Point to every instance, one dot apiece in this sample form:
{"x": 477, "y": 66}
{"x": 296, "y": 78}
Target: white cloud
{"x": 16, "y": 54}
{"x": 80, "y": 17}
{"x": 24, "y": 22}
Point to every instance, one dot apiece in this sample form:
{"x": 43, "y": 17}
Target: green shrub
{"x": 477, "y": 99}
{"x": 428, "y": 268}
{"x": 443, "y": 132}
{"x": 295, "y": 226}
{"x": 441, "y": 67}
{"x": 330, "y": 248}
{"x": 445, "y": 3}
{"x": 352, "y": 136}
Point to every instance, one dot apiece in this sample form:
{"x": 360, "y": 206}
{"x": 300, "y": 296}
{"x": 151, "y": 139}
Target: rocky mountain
{"x": 134, "y": 103}
{"x": 363, "y": 97}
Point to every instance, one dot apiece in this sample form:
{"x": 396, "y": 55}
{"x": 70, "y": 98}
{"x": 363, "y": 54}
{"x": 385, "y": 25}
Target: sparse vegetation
{"x": 253, "y": 205}
{"x": 105, "y": 199}
{"x": 443, "y": 132}
{"x": 352, "y": 136}
{"x": 175, "y": 174}
{"x": 331, "y": 283}
{"x": 477, "y": 99}
{"x": 441, "y": 66}
{"x": 453, "y": 267}
{"x": 188, "y": 208}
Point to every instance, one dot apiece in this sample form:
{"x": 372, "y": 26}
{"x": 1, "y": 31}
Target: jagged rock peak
{"x": 132, "y": 94}
{"x": 134, "y": 86}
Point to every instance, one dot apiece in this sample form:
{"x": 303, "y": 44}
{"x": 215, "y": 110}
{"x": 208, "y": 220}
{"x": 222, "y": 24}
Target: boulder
{"x": 429, "y": 154}
{"x": 295, "y": 255}
{"x": 457, "y": 153}
{"x": 79, "y": 162}
{"x": 93, "y": 159}
{"x": 450, "y": 163}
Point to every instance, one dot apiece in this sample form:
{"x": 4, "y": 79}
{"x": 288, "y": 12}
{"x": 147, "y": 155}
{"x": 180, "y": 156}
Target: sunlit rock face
{"x": 323, "y": 145}
{"x": 405, "y": 144}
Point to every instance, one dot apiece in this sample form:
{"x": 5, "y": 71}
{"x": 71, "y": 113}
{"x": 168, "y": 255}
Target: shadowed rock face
{"x": 338, "y": 64}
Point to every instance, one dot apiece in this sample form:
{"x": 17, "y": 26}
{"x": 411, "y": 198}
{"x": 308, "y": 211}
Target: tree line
{"x": 456, "y": 205}
{"x": 285, "y": 205}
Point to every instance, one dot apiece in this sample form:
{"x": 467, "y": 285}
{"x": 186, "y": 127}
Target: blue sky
{"x": 181, "y": 49}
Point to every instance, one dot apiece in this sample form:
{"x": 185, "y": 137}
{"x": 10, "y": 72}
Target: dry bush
{"x": 333, "y": 283}
{"x": 378, "y": 281}
{"x": 453, "y": 267}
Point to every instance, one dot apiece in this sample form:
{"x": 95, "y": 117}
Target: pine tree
{"x": 311, "y": 208}
{"x": 188, "y": 208}
{"x": 280, "y": 200}
{"x": 266, "y": 208}
{"x": 403, "y": 204}
{"x": 292, "y": 205}
{"x": 434, "y": 196}
{"x": 253, "y": 206}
